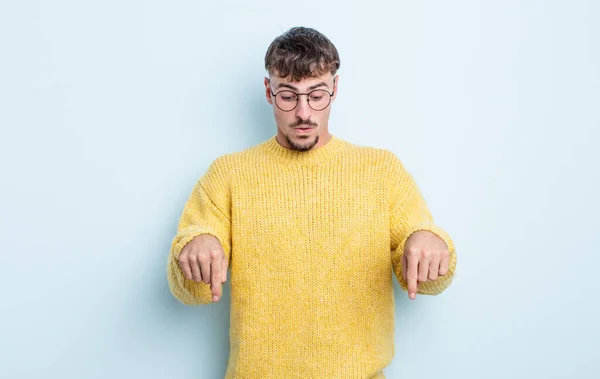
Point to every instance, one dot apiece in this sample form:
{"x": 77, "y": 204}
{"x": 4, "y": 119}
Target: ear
{"x": 336, "y": 80}
{"x": 268, "y": 91}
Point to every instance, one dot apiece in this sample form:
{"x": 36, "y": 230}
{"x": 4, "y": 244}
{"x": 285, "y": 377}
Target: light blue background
{"x": 110, "y": 111}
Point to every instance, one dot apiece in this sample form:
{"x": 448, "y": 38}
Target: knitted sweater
{"x": 311, "y": 238}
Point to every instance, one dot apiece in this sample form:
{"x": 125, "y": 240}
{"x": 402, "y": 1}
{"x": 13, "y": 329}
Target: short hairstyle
{"x": 301, "y": 53}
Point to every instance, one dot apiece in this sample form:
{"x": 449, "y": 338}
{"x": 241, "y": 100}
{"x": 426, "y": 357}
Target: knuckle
{"x": 413, "y": 253}
{"x": 214, "y": 254}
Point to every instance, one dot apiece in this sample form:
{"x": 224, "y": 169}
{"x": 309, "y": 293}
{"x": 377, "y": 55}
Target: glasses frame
{"x": 300, "y": 94}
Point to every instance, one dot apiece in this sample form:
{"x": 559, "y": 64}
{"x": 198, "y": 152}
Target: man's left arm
{"x": 423, "y": 254}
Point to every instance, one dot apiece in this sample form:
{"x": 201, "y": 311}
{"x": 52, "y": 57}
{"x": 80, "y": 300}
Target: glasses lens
{"x": 319, "y": 99}
{"x": 286, "y": 100}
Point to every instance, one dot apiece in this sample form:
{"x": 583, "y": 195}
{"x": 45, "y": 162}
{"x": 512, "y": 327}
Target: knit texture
{"x": 312, "y": 240}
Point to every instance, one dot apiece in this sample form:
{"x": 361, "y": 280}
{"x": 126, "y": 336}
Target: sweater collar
{"x": 317, "y": 155}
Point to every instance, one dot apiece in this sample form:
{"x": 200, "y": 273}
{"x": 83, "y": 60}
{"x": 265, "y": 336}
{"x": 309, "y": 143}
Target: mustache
{"x": 303, "y": 122}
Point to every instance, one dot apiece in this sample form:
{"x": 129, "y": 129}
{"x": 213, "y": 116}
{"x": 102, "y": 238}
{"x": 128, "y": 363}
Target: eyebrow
{"x": 280, "y": 85}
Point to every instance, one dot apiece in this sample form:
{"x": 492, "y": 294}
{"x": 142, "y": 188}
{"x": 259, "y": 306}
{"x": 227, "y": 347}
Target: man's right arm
{"x": 207, "y": 211}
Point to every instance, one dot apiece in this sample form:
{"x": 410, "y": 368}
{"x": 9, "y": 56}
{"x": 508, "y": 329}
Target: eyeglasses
{"x": 287, "y": 101}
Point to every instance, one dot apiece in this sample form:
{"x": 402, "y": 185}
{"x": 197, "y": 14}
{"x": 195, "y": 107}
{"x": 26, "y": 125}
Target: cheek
{"x": 321, "y": 118}
{"x": 284, "y": 119}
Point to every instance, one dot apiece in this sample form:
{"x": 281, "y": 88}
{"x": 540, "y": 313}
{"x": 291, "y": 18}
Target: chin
{"x": 303, "y": 143}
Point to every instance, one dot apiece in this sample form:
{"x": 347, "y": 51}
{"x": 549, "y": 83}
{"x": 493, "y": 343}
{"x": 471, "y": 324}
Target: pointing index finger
{"x": 215, "y": 280}
{"x": 412, "y": 275}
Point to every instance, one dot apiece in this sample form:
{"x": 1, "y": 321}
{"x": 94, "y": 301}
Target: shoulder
{"x": 376, "y": 158}
{"x": 227, "y": 164}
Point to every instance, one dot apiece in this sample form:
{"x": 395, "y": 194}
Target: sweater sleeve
{"x": 207, "y": 211}
{"x": 409, "y": 213}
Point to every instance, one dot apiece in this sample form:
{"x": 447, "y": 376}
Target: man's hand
{"x": 425, "y": 257}
{"x": 203, "y": 259}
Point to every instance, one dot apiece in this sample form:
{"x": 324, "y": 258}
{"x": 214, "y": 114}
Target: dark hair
{"x": 301, "y": 53}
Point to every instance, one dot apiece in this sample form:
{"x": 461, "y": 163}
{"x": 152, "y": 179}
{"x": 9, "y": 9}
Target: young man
{"x": 311, "y": 227}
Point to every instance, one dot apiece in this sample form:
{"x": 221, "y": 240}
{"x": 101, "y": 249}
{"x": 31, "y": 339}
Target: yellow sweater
{"x": 311, "y": 238}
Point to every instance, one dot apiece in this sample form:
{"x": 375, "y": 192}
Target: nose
{"x": 303, "y": 109}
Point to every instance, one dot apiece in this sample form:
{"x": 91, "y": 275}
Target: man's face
{"x": 301, "y": 128}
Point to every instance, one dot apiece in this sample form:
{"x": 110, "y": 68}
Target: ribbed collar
{"x": 314, "y": 156}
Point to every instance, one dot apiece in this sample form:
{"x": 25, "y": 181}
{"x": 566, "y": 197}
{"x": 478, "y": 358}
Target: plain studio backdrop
{"x": 110, "y": 111}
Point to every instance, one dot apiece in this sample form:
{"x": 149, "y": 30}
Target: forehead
{"x": 303, "y": 84}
